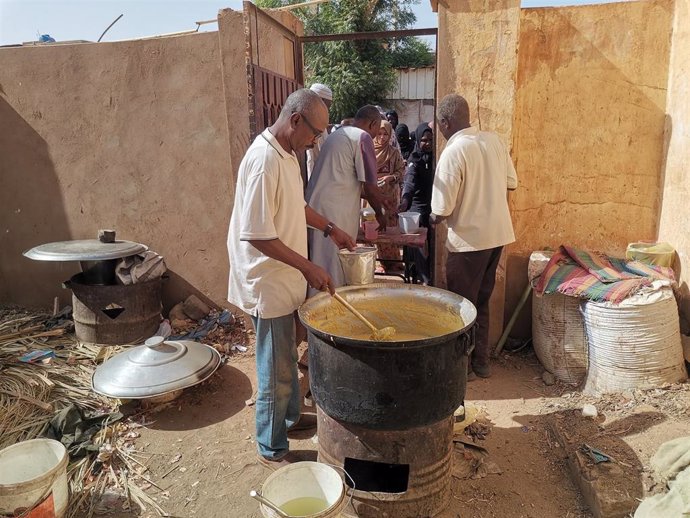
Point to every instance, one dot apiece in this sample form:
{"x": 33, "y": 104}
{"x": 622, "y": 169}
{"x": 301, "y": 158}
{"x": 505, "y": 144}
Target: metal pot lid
{"x": 85, "y": 250}
{"x": 155, "y": 368}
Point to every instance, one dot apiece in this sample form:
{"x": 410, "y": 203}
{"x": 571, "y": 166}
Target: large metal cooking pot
{"x": 416, "y": 379}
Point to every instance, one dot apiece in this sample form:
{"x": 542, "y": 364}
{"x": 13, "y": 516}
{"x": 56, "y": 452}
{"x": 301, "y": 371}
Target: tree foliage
{"x": 412, "y": 53}
{"x": 358, "y": 71}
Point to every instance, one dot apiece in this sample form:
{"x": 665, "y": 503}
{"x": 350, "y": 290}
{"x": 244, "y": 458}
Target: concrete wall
{"x": 275, "y": 52}
{"x": 588, "y": 130}
{"x": 130, "y": 136}
{"x": 477, "y": 58}
{"x": 589, "y": 124}
{"x": 675, "y": 209}
{"x": 582, "y": 106}
{"x": 140, "y": 136}
{"x": 233, "y": 71}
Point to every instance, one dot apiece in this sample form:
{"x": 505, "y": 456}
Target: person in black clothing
{"x": 392, "y": 117}
{"x": 402, "y": 133}
{"x": 416, "y": 193}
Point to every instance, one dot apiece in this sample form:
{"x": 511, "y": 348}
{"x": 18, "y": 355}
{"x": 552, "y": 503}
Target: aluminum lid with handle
{"x": 155, "y": 368}
{"x": 84, "y": 250}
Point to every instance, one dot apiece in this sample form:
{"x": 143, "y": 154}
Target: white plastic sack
{"x": 634, "y": 344}
{"x": 558, "y": 336}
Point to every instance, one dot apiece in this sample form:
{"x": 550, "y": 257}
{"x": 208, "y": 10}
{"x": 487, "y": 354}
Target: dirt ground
{"x": 202, "y": 455}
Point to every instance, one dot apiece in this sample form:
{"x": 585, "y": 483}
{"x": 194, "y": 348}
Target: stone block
{"x": 177, "y": 313}
{"x": 604, "y": 486}
{"x": 194, "y": 308}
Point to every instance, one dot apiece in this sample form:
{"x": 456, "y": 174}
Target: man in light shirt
{"x": 470, "y": 188}
{"x": 269, "y": 269}
{"x": 345, "y": 173}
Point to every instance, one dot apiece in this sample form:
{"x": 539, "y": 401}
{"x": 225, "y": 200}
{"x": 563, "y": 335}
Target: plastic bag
{"x": 659, "y": 254}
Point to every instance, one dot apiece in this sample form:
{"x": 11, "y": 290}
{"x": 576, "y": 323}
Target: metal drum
{"x": 402, "y": 474}
{"x": 115, "y": 315}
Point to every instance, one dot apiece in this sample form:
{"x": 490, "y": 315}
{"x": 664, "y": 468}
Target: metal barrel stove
{"x": 115, "y": 314}
{"x": 105, "y": 312}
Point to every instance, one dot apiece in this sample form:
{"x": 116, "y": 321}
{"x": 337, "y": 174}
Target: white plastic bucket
{"x": 33, "y": 474}
{"x": 305, "y": 480}
{"x": 408, "y": 222}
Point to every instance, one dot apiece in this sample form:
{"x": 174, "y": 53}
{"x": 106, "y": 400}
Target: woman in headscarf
{"x": 402, "y": 133}
{"x": 416, "y": 191}
{"x": 390, "y": 169}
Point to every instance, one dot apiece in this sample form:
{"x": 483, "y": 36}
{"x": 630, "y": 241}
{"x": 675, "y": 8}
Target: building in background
{"x": 413, "y": 96}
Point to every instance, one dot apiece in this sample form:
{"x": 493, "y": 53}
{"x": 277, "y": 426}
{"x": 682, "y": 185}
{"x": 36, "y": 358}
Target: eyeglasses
{"x": 316, "y": 132}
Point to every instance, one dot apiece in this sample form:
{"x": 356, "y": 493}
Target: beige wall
{"x": 130, "y": 136}
{"x": 675, "y": 206}
{"x": 234, "y": 74}
{"x": 477, "y": 58}
{"x": 141, "y": 136}
{"x": 588, "y": 130}
{"x": 589, "y": 119}
{"x": 582, "y": 106}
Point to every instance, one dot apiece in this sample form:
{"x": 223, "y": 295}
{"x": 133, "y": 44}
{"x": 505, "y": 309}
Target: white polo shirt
{"x": 269, "y": 204}
{"x": 470, "y": 184}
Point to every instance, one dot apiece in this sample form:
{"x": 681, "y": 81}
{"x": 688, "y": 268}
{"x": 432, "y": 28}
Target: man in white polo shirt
{"x": 269, "y": 269}
{"x": 470, "y": 188}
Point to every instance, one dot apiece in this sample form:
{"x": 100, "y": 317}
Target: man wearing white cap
{"x": 312, "y": 154}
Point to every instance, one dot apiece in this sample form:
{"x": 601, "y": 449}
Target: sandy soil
{"x": 203, "y": 456}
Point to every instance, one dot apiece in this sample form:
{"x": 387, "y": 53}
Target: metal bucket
{"x": 358, "y": 265}
{"x": 115, "y": 315}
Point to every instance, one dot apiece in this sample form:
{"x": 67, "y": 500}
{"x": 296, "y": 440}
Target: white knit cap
{"x": 322, "y": 91}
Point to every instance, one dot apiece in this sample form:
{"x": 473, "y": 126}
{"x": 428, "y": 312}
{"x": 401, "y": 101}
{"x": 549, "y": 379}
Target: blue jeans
{"x": 278, "y": 402}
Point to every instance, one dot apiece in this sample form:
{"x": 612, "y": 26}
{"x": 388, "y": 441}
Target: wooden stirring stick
{"x": 378, "y": 334}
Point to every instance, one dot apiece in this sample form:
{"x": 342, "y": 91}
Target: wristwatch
{"x": 329, "y": 228}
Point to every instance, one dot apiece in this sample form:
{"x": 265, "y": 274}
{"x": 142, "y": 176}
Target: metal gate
{"x": 267, "y": 90}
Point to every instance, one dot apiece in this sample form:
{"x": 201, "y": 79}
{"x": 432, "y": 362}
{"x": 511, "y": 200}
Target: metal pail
{"x": 358, "y": 265}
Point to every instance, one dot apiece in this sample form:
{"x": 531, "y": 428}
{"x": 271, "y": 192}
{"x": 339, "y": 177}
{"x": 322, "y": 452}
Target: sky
{"x": 23, "y": 20}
